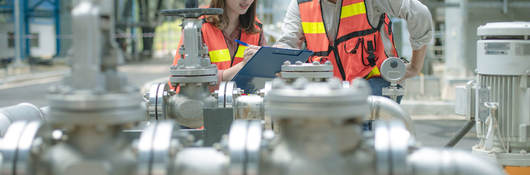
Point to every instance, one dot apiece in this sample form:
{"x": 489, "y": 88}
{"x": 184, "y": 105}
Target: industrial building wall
{"x": 43, "y": 40}
{"x": 6, "y": 50}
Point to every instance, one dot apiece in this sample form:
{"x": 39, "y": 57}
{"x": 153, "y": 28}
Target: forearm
{"x": 416, "y": 62}
{"x": 229, "y": 73}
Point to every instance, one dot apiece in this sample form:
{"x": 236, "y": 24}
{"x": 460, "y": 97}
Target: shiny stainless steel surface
{"x": 249, "y": 107}
{"x": 304, "y": 97}
{"x": 22, "y": 111}
{"x": 382, "y": 108}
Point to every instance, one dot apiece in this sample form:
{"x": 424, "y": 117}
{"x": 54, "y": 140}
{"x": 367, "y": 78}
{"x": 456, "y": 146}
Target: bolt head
{"x": 287, "y": 62}
{"x": 298, "y": 63}
{"x": 278, "y": 83}
{"x": 393, "y": 64}
{"x": 300, "y": 83}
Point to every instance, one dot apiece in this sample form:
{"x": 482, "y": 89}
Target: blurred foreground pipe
{"x": 444, "y": 161}
{"x": 22, "y": 111}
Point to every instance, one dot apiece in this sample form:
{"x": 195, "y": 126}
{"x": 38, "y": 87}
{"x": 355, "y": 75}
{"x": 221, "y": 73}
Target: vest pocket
{"x": 365, "y": 49}
{"x": 353, "y": 47}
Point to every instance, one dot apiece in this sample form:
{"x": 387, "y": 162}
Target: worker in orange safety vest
{"x": 219, "y": 33}
{"x": 356, "y": 35}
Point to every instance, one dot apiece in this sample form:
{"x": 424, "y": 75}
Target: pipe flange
{"x": 391, "y": 142}
{"x": 200, "y": 79}
{"x": 307, "y": 70}
{"x": 109, "y": 108}
{"x": 157, "y": 101}
{"x": 309, "y": 75}
{"x": 393, "y": 69}
{"x": 156, "y": 148}
{"x": 227, "y": 94}
{"x": 307, "y": 67}
{"x": 305, "y": 99}
{"x": 183, "y": 74}
{"x": 16, "y": 147}
{"x": 183, "y": 71}
{"x": 244, "y": 144}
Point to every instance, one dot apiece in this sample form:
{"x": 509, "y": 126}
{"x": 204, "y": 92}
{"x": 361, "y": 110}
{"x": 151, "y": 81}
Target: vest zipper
{"x": 237, "y": 48}
{"x": 337, "y": 59}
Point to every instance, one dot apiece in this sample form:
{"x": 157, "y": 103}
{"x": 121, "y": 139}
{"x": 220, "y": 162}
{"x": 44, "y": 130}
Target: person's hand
{"x": 411, "y": 71}
{"x": 250, "y": 52}
{"x": 416, "y": 63}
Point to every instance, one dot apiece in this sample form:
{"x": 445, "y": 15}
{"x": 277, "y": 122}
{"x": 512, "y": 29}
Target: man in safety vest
{"x": 356, "y": 35}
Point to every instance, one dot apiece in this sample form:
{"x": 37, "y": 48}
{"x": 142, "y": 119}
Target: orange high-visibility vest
{"x": 357, "y": 50}
{"x": 217, "y": 48}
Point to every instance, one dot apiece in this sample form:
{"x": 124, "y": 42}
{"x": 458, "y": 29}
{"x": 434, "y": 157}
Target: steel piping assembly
{"x": 317, "y": 119}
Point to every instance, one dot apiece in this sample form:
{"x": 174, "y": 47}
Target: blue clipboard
{"x": 265, "y": 64}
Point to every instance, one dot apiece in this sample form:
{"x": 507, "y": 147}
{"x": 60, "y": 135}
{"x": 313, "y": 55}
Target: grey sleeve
{"x": 292, "y": 35}
{"x": 417, "y": 15}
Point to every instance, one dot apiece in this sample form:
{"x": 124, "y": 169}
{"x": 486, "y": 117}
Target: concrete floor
{"x": 34, "y": 90}
{"x": 436, "y": 133}
{"x": 432, "y": 132}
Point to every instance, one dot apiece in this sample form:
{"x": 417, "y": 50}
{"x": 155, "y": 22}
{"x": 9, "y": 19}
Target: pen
{"x": 241, "y": 42}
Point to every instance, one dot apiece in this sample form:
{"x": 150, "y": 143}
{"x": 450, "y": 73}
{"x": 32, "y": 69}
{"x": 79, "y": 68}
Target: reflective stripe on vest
{"x": 219, "y": 55}
{"x": 352, "y": 10}
{"x": 374, "y": 73}
{"x": 241, "y": 51}
{"x": 314, "y": 27}
{"x": 224, "y": 54}
{"x": 349, "y": 61}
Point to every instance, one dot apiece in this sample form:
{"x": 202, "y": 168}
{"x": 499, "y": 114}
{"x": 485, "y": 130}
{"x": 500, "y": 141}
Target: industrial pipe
{"x": 385, "y": 108}
{"x": 22, "y": 111}
{"x": 460, "y": 134}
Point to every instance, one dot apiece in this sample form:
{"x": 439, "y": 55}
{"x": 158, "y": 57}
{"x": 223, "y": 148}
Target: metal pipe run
{"x": 385, "y": 108}
{"x": 22, "y": 111}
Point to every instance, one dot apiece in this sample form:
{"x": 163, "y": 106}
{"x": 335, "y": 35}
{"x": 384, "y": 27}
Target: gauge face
{"x": 393, "y": 69}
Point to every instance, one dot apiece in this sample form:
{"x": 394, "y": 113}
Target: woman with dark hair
{"x": 219, "y": 32}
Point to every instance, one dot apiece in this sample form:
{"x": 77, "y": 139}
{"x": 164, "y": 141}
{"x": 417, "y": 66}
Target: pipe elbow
{"x": 22, "y": 111}
{"x": 385, "y": 108}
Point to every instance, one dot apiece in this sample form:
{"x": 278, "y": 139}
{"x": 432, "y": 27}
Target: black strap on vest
{"x": 237, "y": 48}
{"x": 371, "y": 56}
{"x": 350, "y": 36}
{"x": 362, "y": 32}
{"x": 370, "y": 48}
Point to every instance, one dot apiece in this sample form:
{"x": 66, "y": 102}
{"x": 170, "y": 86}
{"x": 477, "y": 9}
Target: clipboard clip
{"x": 287, "y": 52}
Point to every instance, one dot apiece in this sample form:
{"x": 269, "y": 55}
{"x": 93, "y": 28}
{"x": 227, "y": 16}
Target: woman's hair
{"x": 246, "y": 21}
